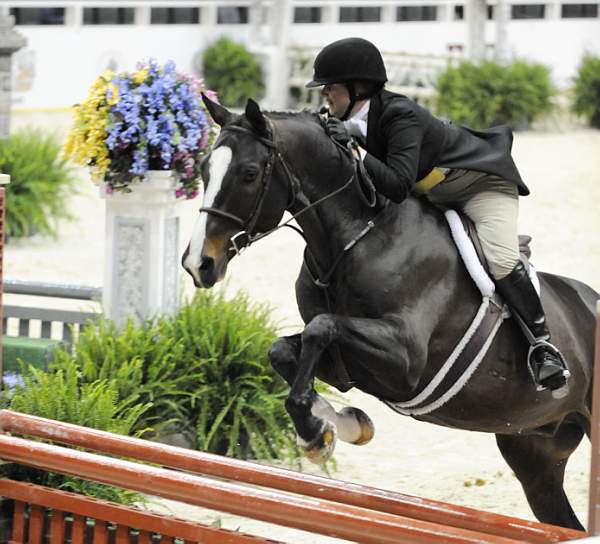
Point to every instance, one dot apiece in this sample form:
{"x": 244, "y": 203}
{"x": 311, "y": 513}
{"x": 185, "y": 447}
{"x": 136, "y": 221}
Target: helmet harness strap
{"x": 352, "y": 93}
{"x": 355, "y": 97}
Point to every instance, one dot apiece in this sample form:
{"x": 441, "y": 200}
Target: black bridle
{"x": 245, "y": 238}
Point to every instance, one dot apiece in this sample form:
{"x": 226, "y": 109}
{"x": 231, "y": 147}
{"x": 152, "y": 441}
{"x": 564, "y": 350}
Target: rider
{"x": 406, "y": 149}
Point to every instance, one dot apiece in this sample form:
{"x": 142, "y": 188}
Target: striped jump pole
{"x": 594, "y": 492}
{"x": 308, "y": 514}
{"x": 412, "y": 511}
{"x": 4, "y": 180}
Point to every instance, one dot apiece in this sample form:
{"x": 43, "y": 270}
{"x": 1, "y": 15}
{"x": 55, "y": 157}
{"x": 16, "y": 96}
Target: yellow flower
{"x": 85, "y": 143}
{"x": 114, "y": 94}
{"x": 140, "y": 76}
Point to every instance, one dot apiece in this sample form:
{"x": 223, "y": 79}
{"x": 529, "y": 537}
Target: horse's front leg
{"x": 379, "y": 342}
{"x": 316, "y": 434}
{"x": 352, "y": 424}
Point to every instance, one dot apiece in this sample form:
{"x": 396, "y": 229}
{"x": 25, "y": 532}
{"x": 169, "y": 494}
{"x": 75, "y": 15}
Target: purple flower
{"x": 12, "y": 380}
{"x": 159, "y": 123}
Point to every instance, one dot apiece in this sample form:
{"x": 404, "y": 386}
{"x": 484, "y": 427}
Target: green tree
{"x": 40, "y": 183}
{"x": 486, "y": 94}
{"x": 586, "y": 93}
{"x": 233, "y": 72}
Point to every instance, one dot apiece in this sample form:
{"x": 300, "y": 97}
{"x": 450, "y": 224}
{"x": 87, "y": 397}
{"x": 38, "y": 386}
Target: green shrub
{"x": 61, "y": 395}
{"x": 238, "y": 404}
{"x": 233, "y": 72}
{"x": 40, "y": 185}
{"x": 204, "y": 372}
{"x": 487, "y": 94}
{"x": 586, "y": 93}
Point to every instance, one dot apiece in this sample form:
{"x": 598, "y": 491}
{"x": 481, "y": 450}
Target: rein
{"x": 245, "y": 238}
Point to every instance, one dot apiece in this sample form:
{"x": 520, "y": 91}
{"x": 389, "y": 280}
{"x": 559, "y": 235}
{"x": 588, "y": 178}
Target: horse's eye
{"x": 250, "y": 175}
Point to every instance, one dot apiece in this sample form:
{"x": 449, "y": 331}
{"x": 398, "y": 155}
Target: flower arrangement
{"x": 152, "y": 119}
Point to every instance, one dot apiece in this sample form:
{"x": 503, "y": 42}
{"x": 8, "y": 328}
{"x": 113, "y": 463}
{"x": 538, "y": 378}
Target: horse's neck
{"x": 321, "y": 170}
{"x": 329, "y": 225}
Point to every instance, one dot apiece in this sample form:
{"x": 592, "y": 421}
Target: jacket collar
{"x": 373, "y": 125}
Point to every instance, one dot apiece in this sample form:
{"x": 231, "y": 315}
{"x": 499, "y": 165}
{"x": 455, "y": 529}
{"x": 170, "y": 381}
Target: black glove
{"x": 337, "y": 131}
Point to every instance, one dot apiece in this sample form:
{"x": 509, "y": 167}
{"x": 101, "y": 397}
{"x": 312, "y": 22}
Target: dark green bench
{"x": 38, "y": 351}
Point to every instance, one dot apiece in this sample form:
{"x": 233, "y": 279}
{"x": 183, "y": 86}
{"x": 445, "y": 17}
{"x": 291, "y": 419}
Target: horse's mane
{"x": 306, "y": 115}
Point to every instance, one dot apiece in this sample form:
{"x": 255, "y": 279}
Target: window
{"x": 528, "y": 11}
{"x": 490, "y": 13}
{"x": 459, "y": 13}
{"x": 360, "y": 15}
{"x": 108, "y": 16}
{"x": 307, "y": 15}
{"x": 416, "y": 13}
{"x": 38, "y": 16}
{"x": 232, "y": 16}
{"x": 576, "y": 11}
{"x": 174, "y": 16}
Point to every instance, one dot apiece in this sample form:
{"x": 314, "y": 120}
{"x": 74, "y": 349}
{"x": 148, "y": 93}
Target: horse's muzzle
{"x": 207, "y": 272}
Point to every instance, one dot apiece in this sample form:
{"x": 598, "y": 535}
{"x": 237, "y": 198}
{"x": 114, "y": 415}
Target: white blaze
{"x": 219, "y": 162}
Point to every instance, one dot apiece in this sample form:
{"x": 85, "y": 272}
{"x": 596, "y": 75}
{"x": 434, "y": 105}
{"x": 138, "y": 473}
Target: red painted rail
{"x": 594, "y": 492}
{"x": 64, "y": 508}
{"x": 417, "y": 520}
{"x": 317, "y": 516}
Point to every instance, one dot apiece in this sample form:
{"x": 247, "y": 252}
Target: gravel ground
{"x": 563, "y": 171}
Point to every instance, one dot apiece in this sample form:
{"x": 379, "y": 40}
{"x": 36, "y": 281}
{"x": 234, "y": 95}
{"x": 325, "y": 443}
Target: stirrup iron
{"x": 535, "y": 344}
{"x": 561, "y": 391}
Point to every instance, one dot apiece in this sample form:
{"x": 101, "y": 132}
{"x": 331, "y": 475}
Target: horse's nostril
{"x": 207, "y": 263}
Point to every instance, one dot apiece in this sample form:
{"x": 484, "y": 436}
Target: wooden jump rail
{"x": 50, "y": 515}
{"x": 344, "y": 510}
{"x": 594, "y": 491}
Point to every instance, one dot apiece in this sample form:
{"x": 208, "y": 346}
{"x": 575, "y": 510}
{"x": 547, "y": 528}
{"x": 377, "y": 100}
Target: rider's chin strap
{"x": 355, "y": 97}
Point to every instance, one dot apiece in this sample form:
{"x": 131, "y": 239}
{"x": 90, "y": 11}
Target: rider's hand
{"x": 338, "y": 131}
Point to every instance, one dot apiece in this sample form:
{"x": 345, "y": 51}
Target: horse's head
{"x": 243, "y": 193}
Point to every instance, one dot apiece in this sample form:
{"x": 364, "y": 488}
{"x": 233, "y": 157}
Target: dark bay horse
{"x": 395, "y": 306}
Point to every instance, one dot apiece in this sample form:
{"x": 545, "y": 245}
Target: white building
{"x": 70, "y": 42}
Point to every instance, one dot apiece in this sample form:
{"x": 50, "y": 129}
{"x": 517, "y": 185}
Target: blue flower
{"x": 159, "y": 121}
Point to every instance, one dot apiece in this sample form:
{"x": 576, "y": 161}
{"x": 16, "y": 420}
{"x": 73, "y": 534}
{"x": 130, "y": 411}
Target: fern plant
{"x": 238, "y": 405}
{"x": 40, "y": 185}
{"x": 60, "y": 395}
{"x": 203, "y": 373}
{"x": 141, "y": 364}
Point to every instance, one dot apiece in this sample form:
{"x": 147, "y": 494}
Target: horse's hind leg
{"x": 539, "y": 463}
{"x": 352, "y": 424}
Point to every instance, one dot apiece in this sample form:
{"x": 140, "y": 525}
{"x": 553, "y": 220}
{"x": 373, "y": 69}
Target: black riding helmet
{"x": 346, "y": 61}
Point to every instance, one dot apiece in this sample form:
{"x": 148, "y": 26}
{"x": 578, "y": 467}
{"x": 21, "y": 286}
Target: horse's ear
{"x": 220, "y": 115}
{"x": 256, "y": 117}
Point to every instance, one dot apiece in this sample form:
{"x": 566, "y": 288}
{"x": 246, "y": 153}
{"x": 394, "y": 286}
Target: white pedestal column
{"x": 142, "y": 250}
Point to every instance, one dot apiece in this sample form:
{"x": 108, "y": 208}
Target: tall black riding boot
{"x": 522, "y": 298}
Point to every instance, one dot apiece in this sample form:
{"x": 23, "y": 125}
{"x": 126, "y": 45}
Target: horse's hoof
{"x": 366, "y": 428}
{"x": 320, "y": 449}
